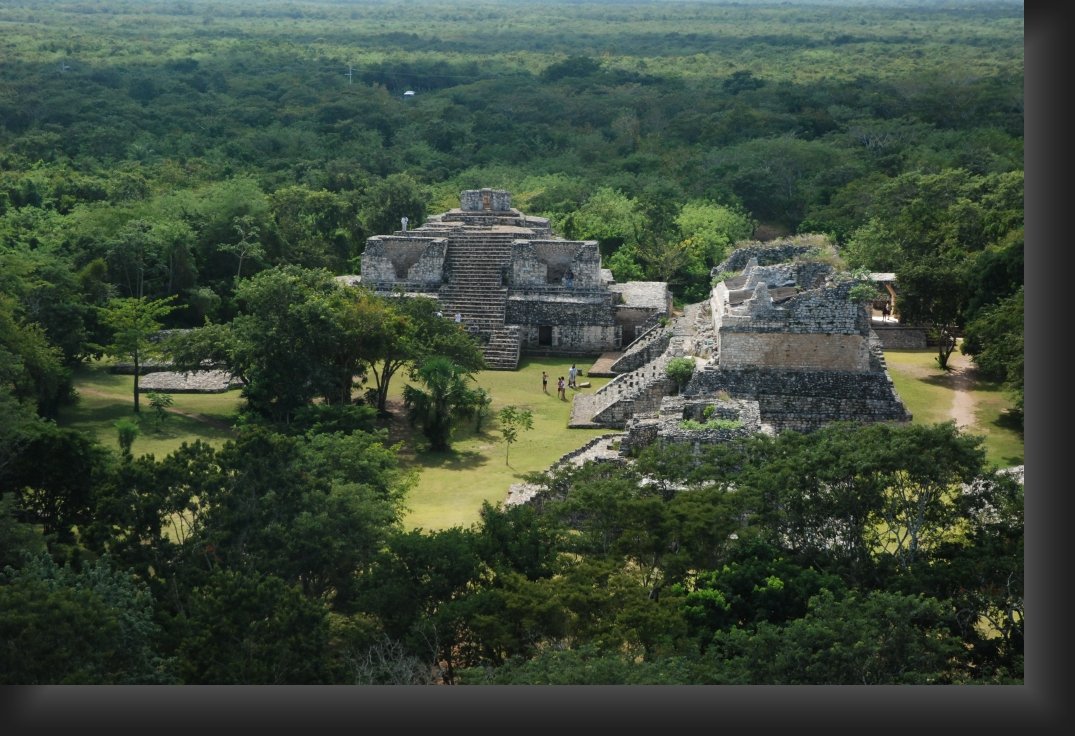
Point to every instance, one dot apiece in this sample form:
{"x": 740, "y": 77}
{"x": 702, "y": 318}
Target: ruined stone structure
{"x": 779, "y": 345}
{"x": 515, "y": 284}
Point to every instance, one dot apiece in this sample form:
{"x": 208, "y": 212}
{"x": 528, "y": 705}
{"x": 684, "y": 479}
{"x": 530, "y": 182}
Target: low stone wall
{"x": 765, "y": 254}
{"x": 192, "y": 382}
{"x": 901, "y": 338}
{"x": 144, "y": 368}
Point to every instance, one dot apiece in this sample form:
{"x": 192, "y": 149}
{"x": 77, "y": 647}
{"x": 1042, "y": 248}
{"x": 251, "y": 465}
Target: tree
{"x": 680, "y": 371}
{"x": 127, "y": 431}
{"x": 56, "y": 472}
{"x": 995, "y": 340}
{"x": 135, "y": 323}
{"x": 160, "y": 403}
{"x": 608, "y": 216}
{"x": 312, "y": 510}
{"x": 932, "y": 295}
{"x": 446, "y": 399}
{"x": 31, "y": 367}
{"x": 394, "y": 197}
{"x": 91, "y": 626}
{"x": 414, "y": 332}
{"x": 253, "y": 629}
{"x": 248, "y": 246}
{"x": 513, "y": 419}
{"x": 867, "y": 638}
{"x": 713, "y": 228}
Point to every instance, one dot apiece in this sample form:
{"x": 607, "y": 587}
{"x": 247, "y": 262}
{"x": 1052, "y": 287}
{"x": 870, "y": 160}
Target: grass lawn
{"x": 451, "y": 486}
{"x": 928, "y": 393}
{"x": 105, "y": 398}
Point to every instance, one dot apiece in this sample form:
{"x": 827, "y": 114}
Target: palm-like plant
{"x": 446, "y": 399}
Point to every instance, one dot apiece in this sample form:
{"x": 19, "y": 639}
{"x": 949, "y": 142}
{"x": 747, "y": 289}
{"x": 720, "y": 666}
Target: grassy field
{"x": 105, "y": 398}
{"x": 451, "y": 486}
{"x": 929, "y": 394}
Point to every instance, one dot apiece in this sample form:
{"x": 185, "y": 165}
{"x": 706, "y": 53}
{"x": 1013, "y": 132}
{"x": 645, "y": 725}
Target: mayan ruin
{"x": 779, "y": 345}
{"x": 512, "y": 282}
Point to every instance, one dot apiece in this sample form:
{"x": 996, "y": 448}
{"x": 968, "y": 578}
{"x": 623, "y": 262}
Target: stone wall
{"x": 635, "y": 321}
{"x": 537, "y": 308}
{"x": 820, "y": 329}
{"x": 573, "y": 264}
{"x": 791, "y": 399}
{"x": 798, "y": 352}
{"x": 393, "y": 259}
{"x": 641, "y": 351}
{"x": 645, "y": 399}
{"x": 901, "y": 338}
{"x": 664, "y": 425}
{"x": 766, "y": 254}
{"x": 571, "y": 339}
{"x": 475, "y": 200}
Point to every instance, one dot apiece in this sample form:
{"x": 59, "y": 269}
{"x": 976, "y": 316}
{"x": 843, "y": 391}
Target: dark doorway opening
{"x": 545, "y": 335}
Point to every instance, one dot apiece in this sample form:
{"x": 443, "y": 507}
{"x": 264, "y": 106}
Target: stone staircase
{"x": 503, "y": 349}
{"x": 475, "y": 290}
{"x": 642, "y": 387}
{"x": 643, "y": 348}
{"x": 623, "y": 396}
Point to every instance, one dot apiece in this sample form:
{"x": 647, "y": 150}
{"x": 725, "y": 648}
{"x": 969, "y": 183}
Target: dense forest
{"x": 212, "y": 165}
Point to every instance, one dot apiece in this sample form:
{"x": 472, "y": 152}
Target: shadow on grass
{"x": 1010, "y": 419}
{"x": 451, "y": 460}
{"x": 98, "y": 412}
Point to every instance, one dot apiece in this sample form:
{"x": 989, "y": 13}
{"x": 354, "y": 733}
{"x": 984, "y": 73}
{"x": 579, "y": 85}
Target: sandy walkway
{"x": 963, "y": 409}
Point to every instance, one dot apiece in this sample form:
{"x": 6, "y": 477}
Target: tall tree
{"x": 414, "y": 332}
{"x": 135, "y": 323}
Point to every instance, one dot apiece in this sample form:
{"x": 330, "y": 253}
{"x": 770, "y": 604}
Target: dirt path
{"x": 960, "y": 377}
{"x": 964, "y": 408}
{"x": 211, "y": 421}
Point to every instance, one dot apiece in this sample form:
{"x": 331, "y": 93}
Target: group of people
{"x": 561, "y": 386}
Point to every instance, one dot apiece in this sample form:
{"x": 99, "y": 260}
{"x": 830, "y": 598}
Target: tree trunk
{"x": 137, "y": 370}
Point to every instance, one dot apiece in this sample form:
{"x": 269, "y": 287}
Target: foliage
{"x": 160, "y": 403}
{"x": 717, "y": 423}
{"x": 237, "y": 181}
{"x": 127, "y": 431}
{"x": 995, "y": 339}
{"x": 446, "y": 399}
{"x": 63, "y": 626}
{"x": 512, "y": 420}
{"x": 135, "y": 323}
{"x": 680, "y": 371}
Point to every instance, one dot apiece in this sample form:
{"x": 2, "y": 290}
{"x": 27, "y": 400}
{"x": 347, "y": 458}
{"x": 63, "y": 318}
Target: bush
{"x": 680, "y": 370}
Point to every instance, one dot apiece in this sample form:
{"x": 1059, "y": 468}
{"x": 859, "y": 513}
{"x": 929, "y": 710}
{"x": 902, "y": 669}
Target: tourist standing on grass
{"x": 572, "y": 375}
{"x": 545, "y": 382}
{"x": 560, "y": 390}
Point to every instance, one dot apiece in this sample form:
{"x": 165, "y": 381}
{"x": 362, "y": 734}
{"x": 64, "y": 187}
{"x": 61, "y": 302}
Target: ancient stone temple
{"x": 779, "y": 345}
{"x": 512, "y": 282}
